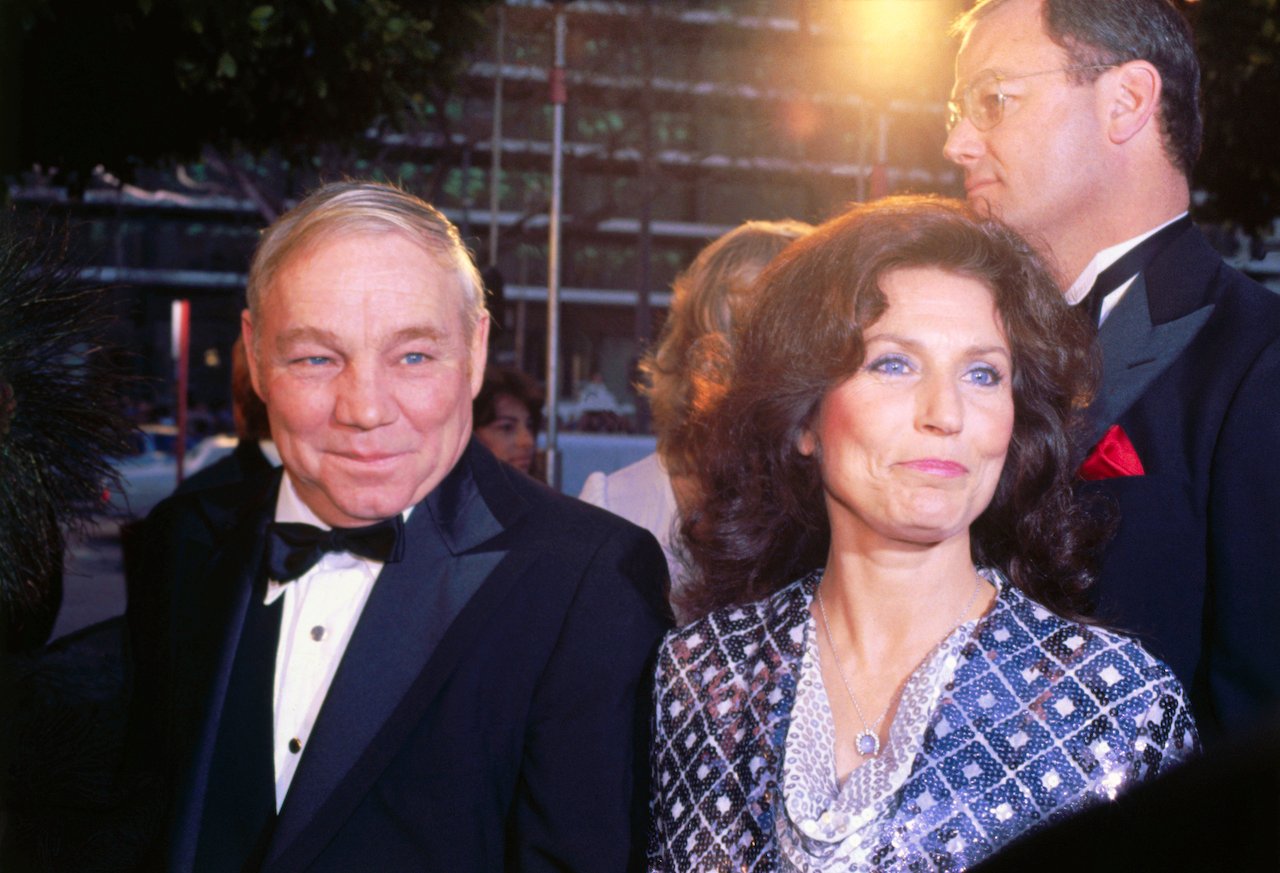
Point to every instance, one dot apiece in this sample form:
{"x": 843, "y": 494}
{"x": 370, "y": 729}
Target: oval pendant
{"x": 867, "y": 744}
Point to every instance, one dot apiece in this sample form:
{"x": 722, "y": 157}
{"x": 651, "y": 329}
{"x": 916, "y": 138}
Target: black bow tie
{"x": 294, "y": 548}
{"x": 1130, "y": 264}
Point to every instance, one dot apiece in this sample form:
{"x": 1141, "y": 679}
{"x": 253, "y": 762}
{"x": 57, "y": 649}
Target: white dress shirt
{"x": 321, "y": 609}
{"x": 1103, "y": 259}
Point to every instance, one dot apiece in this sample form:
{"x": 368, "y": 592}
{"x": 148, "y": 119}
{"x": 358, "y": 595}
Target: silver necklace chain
{"x": 868, "y": 740}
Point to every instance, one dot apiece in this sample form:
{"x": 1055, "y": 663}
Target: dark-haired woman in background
{"x": 506, "y": 416}
{"x": 882, "y": 677}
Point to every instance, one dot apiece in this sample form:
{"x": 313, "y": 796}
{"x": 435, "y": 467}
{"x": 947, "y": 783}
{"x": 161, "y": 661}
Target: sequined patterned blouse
{"x": 1014, "y": 721}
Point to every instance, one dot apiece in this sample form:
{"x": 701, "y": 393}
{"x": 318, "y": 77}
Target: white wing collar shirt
{"x": 1080, "y": 287}
{"x": 320, "y": 611}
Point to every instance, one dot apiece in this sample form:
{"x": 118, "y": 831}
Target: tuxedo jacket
{"x": 245, "y": 461}
{"x": 1191, "y": 372}
{"x": 490, "y": 711}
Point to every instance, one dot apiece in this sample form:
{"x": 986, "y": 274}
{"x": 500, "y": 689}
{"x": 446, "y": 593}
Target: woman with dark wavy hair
{"x": 882, "y": 676}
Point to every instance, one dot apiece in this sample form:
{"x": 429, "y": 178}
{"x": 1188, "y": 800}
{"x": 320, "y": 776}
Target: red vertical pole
{"x": 181, "y": 350}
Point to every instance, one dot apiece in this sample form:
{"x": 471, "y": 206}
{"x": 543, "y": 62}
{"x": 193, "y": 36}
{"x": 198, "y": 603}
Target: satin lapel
{"x": 1134, "y": 352}
{"x": 407, "y": 639}
{"x": 212, "y": 618}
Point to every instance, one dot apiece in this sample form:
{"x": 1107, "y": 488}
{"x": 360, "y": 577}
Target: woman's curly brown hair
{"x": 763, "y": 521}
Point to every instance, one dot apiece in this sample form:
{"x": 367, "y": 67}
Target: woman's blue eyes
{"x": 415, "y": 358}
{"x": 985, "y": 376}
{"x": 890, "y": 365}
{"x": 898, "y": 365}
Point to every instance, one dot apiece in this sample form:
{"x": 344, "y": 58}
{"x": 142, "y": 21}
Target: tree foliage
{"x": 61, "y": 420}
{"x": 131, "y": 82}
{"x": 1239, "y": 43}
{"x": 126, "y": 82}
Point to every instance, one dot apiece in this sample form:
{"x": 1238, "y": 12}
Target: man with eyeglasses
{"x": 1077, "y": 122}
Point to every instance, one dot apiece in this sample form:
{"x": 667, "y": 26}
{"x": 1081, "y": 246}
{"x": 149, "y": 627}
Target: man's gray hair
{"x": 343, "y": 208}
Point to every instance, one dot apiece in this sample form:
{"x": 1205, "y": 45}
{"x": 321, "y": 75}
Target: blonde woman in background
{"x": 683, "y": 374}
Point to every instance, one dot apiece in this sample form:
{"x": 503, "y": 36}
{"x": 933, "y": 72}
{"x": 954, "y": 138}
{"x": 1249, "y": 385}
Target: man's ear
{"x": 479, "y": 353}
{"x": 251, "y": 353}
{"x": 1133, "y": 99}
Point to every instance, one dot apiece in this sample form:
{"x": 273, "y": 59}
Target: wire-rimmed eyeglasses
{"x": 982, "y": 102}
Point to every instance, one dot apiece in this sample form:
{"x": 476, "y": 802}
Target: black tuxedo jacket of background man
{"x": 245, "y": 461}
{"x": 491, "y": 711}
{"x": 1191, "y": 371}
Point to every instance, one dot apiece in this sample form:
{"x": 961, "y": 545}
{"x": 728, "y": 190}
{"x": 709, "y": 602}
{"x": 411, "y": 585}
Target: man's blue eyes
{"x": 321, "y": 360}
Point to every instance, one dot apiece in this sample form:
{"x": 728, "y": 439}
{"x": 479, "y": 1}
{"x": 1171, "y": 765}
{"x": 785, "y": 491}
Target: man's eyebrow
{"x": 427, "y": 332}
{"x": 293, "y": 335}
{"x": 959, "y": 87}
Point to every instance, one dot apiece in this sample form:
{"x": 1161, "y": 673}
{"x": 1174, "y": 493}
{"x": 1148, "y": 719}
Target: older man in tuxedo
{"x": 397, "y": 653}
{"x": 1077, "y": 122}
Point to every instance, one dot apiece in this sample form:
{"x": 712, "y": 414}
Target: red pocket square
{"x": 1113, "y": 456}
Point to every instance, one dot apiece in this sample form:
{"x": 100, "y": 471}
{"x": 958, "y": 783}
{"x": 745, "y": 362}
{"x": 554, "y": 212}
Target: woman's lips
{"x": 936, "y": 467}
